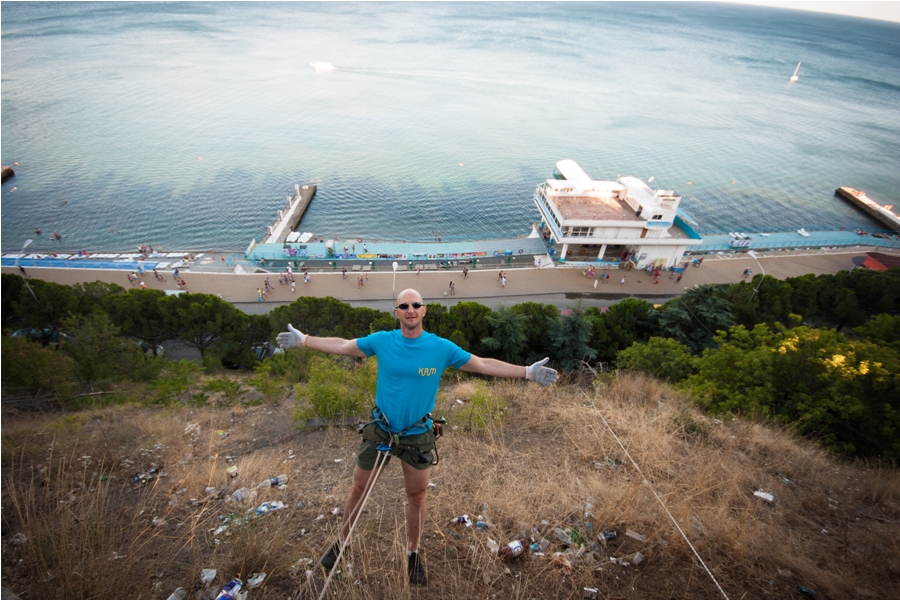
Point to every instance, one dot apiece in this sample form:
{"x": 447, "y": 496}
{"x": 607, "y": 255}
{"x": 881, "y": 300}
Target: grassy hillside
{"x": 76, "y": 523}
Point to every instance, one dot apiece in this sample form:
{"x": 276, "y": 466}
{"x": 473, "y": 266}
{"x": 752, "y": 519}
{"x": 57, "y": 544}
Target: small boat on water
{"x": 795, "y": 77}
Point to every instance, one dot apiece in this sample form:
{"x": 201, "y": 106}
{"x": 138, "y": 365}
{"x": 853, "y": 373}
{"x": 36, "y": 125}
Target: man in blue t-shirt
{"x": 410, "y": 364}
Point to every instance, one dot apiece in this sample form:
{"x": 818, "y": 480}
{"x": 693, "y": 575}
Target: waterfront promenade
{"x": 553, "y": 285}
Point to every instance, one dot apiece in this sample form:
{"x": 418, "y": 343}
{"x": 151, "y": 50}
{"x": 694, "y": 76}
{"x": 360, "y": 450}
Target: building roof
{"x": 879, "y": 261}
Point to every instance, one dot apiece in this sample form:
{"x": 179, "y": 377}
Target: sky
{"x": 883, "y": 10}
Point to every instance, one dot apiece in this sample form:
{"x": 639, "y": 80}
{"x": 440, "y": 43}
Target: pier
{"x": 289, "y": 218}
{"x": 880, "y": 213}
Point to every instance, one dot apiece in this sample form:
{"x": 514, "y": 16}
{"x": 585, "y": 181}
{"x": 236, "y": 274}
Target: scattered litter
{"x": 633, "y": 534}
{"x": 255, "y": 580}
{"x": 267, "y": 507}
{"x": 462, "y": 520}
{"x": 563, "y": 537}
{"x": 220, "y": 529}
{"x": 637, "y": 558}
{"x": 432, "y": 484}
{"x": 493, "y": 546}
{"x": 242, "y": 494}
{"x": 320, "y": 517}
{"x": 143, "y": 478}
{"x": 231, "y": 590}
{"x": 178, "y": 594}
{"x": 232, "y": 470}
{"x": 207, "y": 576}
{"x": 19, "y": 539}
{"x": 338, "y": 511}
{"x": 339, "y": 460}
{"x": 159, "y": 522}
{"x": 605, "y": 536}
{"x": 458, "y": 401}
{"x": 192, "y": 428}
{"x": 787, "y": 481}
{"x": 764, "y": 495}
{"x": 589, "y": 593}
{"x": 561, "y": 560}
{"x": 117, "y": 556}
{"x": 808, "y": 592}
{"x": 222, "y": 434}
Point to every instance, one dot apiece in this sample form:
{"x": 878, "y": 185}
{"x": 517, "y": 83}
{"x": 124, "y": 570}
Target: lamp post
{"x": 24, "y": 280}
{"x": 753, "y": 256}
{"x": 393, "y": 281}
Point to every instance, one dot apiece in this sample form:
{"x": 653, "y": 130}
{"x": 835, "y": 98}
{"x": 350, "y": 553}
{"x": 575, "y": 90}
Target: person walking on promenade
{"x": 410, "y": 364}
{"x": 623, "y": 280}
{"x": 293, "y": 286}
{"x": 305, "y": 278}
{"x": 452, "y": 289}
{"x": 268, "y": 285}
{"x": 748, "y": 271}
{"x": 24, "y": 274}
{"x": 678, "y": 279}
{"x": 343, "y": 272}
{"x": 502, "y": 280}
{"x": 259, "y": 294}
{"x": 465, "y": 272}
{"x": 537, "y": 262}
{"x": 360, "y": 282}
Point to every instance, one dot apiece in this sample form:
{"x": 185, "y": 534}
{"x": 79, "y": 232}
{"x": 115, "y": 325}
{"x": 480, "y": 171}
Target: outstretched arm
{"x": 497, "y": 368}
{"x": 294, "y": 338}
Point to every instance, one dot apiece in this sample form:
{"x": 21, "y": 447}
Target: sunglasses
{"x": 405, "y": 306}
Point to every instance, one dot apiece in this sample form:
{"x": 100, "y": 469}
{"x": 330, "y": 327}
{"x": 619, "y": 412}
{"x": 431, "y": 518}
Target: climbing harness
{"x": 382, "y": 421}
{"x": 384, "y": 451}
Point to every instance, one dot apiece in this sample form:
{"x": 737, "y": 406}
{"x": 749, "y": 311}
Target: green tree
{"x": 141, "y": 314}
{"x": 570, "y": 336}
{"x": 54, "y": 304}
{"x": 27, "y": 364}
{"x": 470, "y": 318}
{"x": 623, "y": 324}
{"x": 881, "y": 329}
{"x": 508, "y": 338}
{"x": 99, "y": 351}
{"x": 328, "y": 317}
{"x": 538, "y": 320}
{"x": 661, "y": 357}
{"x": 204, "y": 321}
{"x": 694, "y": 317}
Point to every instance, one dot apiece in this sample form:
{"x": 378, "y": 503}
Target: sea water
{"x": 187, "y": 124}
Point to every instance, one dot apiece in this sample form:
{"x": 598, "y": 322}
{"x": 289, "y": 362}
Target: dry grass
{"x": 89, "y": 530}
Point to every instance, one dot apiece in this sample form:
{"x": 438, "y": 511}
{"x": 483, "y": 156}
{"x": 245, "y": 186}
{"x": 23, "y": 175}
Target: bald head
{"x": 409, "y": 295}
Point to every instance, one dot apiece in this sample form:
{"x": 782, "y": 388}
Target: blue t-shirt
{"x": 409, "y": 372}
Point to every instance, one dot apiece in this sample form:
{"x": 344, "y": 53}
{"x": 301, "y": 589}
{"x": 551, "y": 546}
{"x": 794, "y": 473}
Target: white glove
{"x": 538, "y": 373}
{"x": 292, "y": 338}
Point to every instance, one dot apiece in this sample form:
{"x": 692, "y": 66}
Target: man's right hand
{"x": 292, "y": 338}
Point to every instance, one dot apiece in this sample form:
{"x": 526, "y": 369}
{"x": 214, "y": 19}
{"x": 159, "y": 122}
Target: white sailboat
{"x": 795, "y": 77}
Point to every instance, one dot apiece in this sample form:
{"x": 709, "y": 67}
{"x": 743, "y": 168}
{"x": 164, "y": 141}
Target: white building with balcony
{"x": 602, "y": 221}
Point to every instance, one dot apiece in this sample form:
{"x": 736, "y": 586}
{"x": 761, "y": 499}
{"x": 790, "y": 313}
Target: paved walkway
{"x": 482, "y": 285}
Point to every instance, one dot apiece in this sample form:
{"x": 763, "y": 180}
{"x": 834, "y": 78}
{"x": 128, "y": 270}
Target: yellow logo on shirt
{"x": 425, "y": 371}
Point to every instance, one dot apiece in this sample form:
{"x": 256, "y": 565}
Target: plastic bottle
{"x": 178, "y": 594}
{"x": 274, "y": 482}
{"x": 231, "y": 589}
{"x": 513, "y": 549}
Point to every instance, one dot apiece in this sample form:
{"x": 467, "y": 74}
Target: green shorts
{"x": 415, "y": 450}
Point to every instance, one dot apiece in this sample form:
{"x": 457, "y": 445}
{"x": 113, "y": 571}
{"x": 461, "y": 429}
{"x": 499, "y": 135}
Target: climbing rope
{"x": 384, "y": 451}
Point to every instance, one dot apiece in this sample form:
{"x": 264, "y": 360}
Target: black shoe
{"x": 330, "y": 557}
{"x": 416, "y": 570}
